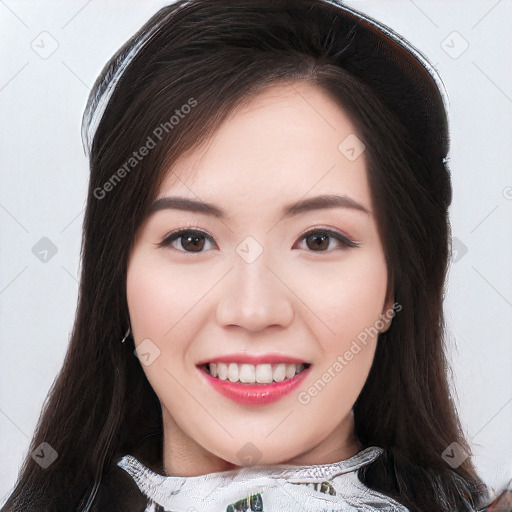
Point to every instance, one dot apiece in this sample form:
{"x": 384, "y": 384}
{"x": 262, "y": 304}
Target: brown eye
{"x": 319, "y": 240}
{"x": 192, "y": 242}
{"x": 187, "y": 240}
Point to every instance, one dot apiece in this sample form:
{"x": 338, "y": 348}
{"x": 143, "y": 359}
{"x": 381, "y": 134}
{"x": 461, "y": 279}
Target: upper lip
{"x": 253, "y": 359}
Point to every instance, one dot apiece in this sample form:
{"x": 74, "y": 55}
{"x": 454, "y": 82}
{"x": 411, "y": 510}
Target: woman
{"x": 216, "y": 363}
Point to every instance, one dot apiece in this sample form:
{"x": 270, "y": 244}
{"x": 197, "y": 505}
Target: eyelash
{"x": 176, "y": 235}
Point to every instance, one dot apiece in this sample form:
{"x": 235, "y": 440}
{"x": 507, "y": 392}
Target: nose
{"x": 254, "y": 297}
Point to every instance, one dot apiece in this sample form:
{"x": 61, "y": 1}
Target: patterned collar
{"x": 323, "y": 487}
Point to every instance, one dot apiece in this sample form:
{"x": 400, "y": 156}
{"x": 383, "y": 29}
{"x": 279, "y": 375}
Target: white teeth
{"x": 251, "y": 374}
{"x": 222, "y": 371}
{"x": 279, "y": 373}
{"x": 247, "y": 373}
{"x": 264, "y": 373}
{"x": 233, "y": 372}
{"x": 290, "y": 371}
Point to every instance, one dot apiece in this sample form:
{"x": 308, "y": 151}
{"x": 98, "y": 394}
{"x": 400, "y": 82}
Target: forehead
{"x": 286, "y": 142}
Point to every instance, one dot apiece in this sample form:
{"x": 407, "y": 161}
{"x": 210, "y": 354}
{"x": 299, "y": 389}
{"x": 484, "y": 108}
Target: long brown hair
{"x": 214, "y": 55}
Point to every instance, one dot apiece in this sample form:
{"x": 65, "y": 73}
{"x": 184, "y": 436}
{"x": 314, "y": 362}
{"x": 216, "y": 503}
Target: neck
{"x": 182, "y": 456}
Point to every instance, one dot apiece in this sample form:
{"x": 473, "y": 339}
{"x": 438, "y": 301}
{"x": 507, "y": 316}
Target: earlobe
{"x": 387, "y": 314}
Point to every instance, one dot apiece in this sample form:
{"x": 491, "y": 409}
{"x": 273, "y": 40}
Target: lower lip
{"x": 255, "y": 394}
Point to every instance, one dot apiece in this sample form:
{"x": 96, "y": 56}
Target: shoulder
{"x": 118, "y": 493}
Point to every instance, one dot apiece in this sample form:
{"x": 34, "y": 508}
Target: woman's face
{"x": 258, "y": 278}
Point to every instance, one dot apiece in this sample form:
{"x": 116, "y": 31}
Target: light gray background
{"x": 44, "y": 178}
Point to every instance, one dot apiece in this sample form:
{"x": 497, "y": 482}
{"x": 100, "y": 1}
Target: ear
{"x": 387, "y": 313}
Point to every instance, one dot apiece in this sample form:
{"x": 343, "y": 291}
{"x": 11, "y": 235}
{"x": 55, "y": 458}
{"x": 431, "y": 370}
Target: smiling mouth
{"x": 244, "y": 373}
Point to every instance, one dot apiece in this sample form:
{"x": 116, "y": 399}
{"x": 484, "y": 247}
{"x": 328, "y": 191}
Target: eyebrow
{"x": 305, "y": 205}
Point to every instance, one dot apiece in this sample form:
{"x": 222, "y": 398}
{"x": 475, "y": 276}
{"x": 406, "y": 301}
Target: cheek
{"x": 147, "y": 300}
{"x": 160, "y": 298}
{"x": 346, "y": 296}
{"x": 160, "y": 294}
{"x": 349, "y": 299}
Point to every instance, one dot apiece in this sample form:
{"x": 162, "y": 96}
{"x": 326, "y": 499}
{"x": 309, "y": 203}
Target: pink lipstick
{"x": 254, "y": 379}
